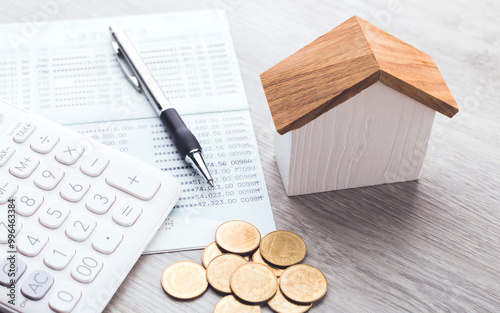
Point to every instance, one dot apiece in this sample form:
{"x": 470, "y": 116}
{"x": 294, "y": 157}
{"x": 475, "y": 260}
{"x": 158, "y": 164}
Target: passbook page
{"x": 67, "y": 72}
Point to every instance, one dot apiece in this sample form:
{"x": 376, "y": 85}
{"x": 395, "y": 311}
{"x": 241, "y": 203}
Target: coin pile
{"x": 272, "y": 275}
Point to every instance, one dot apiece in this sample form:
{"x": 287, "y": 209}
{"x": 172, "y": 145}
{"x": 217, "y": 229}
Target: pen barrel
{"x": 184, "y": 139}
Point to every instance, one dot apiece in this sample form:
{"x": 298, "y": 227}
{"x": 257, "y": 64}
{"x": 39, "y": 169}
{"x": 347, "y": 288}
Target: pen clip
{"x": 131, "y": 78}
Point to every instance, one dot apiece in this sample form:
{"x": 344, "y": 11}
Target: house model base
{"x": 379, "y": 136}
{"x": 353, "y": 108}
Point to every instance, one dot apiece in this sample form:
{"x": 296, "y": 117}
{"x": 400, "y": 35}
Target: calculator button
{"x": 23, "y": 166}
{"x": 106, "y": 240}
{"x": 100, "y": 200}
{"x": 7, "y": 189}
{"x": 133, "y": 181}
{"x": 6, "y": 153}
{"x": 31, "y": 241}
{"x": 53, "y": 215}
{"x": 94, "y": 165}
{"x": 37, "y": 284}
{"x": 74, "y": 189}
{"x": 86, "y": 268}
{"x": 48, "y": 177}
{"x": 5, "y": 228}
{"x": 69, "y": 152}
{"x": 44, "y": 141}
{"x": 9, "y": 266}
{"x": 64, "y": 297}
{"x": 28, "y": 201}
{"x": 24, "y": 132}
{"x": 80, "y": 227}
{"x": 59, "y": 255}
{"x": 126, "y": 213}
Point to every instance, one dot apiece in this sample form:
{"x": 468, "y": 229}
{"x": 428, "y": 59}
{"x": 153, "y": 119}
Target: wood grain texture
{"x": 431, "y": 245}
{"x": 409, "y": 70}
{"x": 342, "y": 63}
{"x": 378, "y": 136}
{"x": 323, "y": 74}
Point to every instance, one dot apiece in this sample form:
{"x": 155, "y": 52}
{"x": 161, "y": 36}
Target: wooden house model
{"x": 353, "y": 108}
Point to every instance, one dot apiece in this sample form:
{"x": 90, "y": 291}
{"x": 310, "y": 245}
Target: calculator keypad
{"x": 100, "y": 200}
{"x": 5, "y": 231}
{"x": 133, "y": 181}
{"x": 5, "y": 266}
{"x": 24, "y": 132}
{"x": 65, "y": 297}
{"x": 53, "y": 215}
{"x": 44, "y": 141}
{"x": 59, "y": 255}
{"x": 76, "y": 208}
{"x": 69, "y": 152}
{"x": 29, "y": 200}
{"x": 126, "y": 213}
{"x": 80, "y": 227}
{"x": 74, "y": 189}
{"x": 48, "y": 177}
{"x": 31, "y": 241}
{"x": 7, "y": 189}
{"x": 36, "y": 286}
{"x": 23, "y": 166}
{"x": 106, "y": 240}
{"x": 6, "y": 152}
{"x": 94, "y": 165}
{"x": 86, "y": 268}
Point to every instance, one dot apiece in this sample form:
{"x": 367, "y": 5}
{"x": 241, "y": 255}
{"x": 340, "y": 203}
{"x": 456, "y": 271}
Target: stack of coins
{"x": 273, "y": 275}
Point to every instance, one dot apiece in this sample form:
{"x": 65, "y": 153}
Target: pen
{"x": 141, "y": 78}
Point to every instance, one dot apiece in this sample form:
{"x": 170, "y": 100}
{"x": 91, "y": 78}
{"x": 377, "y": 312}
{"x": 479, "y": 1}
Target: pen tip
{"x": 211, "y": 183}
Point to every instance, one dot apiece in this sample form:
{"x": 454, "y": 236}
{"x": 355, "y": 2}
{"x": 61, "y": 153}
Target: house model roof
{"x": 343, "y": 62}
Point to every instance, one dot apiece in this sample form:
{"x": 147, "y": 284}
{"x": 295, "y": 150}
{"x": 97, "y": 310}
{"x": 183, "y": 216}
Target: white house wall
{"x": 379, "y": 136}
{"x": 282, "y": 149}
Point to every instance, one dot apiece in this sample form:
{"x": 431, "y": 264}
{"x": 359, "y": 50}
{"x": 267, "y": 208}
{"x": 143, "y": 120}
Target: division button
{"x": 44, "y": 142}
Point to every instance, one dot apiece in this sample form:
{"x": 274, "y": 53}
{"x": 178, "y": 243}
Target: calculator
{"x": 75, "y": 215}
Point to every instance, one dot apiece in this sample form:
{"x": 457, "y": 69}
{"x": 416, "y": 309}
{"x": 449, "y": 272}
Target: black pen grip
{"x": 184, "y": 139}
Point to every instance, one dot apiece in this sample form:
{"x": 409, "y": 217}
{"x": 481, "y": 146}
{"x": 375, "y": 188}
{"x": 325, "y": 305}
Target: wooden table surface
{"x": 431, "y": 245}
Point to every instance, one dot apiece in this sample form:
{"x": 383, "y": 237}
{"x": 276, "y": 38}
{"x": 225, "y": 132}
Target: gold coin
{"x": 229, "y": 304}
{"x": 254, "y": 282}
{"x": 184, "y": 280}
{"x": 303, "y": 283}
{"x": 257, "y": 258}
{"x": 221, "y": 268}
{"x": 211, "y": 252}
{"x": 237, "y": 237}
{"x": 282, "y": 248}
{"x": 281, "y": 305}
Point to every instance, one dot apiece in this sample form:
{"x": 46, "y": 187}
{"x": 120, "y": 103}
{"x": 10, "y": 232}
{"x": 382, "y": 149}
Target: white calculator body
{"x": 84, "y": 213}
